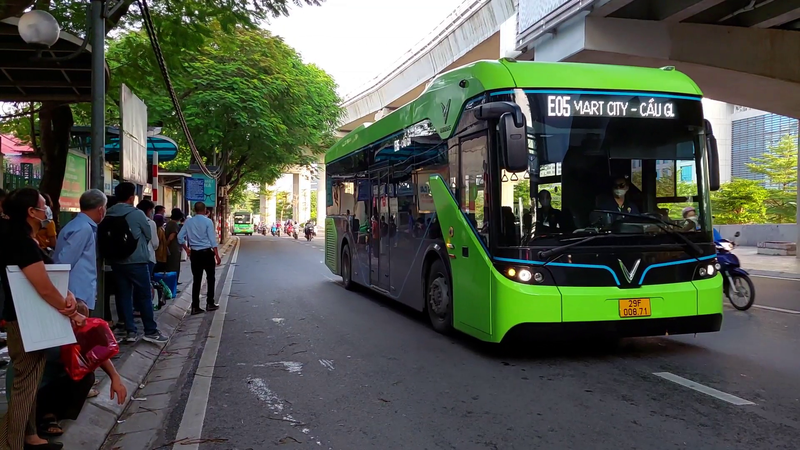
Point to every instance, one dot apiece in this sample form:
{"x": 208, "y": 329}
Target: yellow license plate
{"x": 634, "y": 307}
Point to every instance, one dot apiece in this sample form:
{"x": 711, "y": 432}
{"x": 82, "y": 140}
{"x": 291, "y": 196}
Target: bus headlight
{"x": 527, "y": 275}
{"x": 707, "y": 270}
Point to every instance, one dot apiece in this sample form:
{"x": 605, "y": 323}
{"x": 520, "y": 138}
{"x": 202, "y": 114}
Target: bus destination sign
{"x": 610, "y": 106}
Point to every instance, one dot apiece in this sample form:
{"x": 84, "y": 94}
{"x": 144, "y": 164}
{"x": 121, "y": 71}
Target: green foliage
{"x": 284, "y": 209}
{"x": 779, "y": 164}
{"x": 247, "y": 97}
{"x": 740, "y": 202}
{"x": 314, "y": 205}
{"x": 523, "y": 191}
{"x": 779, "y": 167}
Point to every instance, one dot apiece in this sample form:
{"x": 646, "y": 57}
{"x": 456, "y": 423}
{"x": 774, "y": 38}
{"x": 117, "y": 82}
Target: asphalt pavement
{"x": 303, "y": 363}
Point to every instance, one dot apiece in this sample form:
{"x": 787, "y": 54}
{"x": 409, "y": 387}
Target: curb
{"x": 768, "y": 273}
{"x": 100, "y": 414}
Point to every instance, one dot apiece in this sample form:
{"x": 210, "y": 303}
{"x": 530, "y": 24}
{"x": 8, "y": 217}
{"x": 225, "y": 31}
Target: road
{"x": 304, "y": 363}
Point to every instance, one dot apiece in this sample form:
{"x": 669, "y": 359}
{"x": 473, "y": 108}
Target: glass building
{"x": 752, "y": 133}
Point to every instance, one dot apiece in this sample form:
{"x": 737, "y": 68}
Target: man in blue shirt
{"x": 199, "y": 239}
{"x": 77, "y": 246}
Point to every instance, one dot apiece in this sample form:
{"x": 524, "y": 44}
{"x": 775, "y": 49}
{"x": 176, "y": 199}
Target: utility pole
{"x": 98, "y": 160}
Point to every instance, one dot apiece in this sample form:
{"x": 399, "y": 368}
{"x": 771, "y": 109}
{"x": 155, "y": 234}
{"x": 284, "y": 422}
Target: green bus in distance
{"x": 243, "y": 223}
{"x": 535, "y": 198}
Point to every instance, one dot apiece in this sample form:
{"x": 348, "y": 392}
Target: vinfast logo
{"x": 446, "y": 110}
{"x": 629, "y": 274}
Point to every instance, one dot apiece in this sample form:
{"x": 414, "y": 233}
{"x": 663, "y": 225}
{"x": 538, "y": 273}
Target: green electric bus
{"x": 537, "y": 198}
{"x": 243, "y": 223}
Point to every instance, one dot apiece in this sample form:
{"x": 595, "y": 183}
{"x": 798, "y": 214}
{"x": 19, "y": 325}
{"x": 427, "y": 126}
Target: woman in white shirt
{"x": 148, "y": 208}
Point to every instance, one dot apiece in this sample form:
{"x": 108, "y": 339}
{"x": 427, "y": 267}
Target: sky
{"x": 355, "y": 40}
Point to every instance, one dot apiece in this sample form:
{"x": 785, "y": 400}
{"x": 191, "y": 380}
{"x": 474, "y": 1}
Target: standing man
{"x": 77, "y": 246}
{"x": 132, "y": 272}
{"x": 160, "y": 210}
{"x": 203, "y": 253}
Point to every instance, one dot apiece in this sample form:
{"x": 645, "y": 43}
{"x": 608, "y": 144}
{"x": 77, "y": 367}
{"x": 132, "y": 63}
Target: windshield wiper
{"x": 546, "y": 254}
{"x": 661, "y": 224}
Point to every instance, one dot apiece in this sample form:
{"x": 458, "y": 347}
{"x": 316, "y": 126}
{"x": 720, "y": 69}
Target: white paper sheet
{"x": 40, "y": 325}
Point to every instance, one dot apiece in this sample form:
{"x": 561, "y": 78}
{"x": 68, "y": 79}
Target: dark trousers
{"x": 203, "y": 261}
{"x": 135, "y": 290}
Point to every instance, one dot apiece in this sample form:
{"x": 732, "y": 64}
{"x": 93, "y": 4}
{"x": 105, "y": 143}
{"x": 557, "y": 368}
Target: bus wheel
{"x": 347, "y": 279}
{"x": 439, "y": 298}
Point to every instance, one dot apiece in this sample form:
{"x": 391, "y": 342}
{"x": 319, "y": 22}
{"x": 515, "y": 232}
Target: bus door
{"x": 379, "y": 231}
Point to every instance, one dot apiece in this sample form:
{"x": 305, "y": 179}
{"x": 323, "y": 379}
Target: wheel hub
{"x": 438, "y": 299}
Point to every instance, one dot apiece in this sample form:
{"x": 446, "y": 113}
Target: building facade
{"x": 752, "y": 134}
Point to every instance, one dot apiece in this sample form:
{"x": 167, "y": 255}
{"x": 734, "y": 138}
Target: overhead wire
{"x": 151, "y": 33}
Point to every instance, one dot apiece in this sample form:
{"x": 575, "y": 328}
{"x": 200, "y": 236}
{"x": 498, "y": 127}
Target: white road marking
{"x": 775, "y": 278}
{"x": 195, "y": 412}
{"x": 724, "y": 396}
{"x": 289, "y": 366}
{"x": 772, "y": 308}
{"x": 326, "y": 363}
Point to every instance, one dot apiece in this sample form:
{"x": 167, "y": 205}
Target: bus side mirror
{"x": 713, "y": 158}
{"x": 514, "y": 144}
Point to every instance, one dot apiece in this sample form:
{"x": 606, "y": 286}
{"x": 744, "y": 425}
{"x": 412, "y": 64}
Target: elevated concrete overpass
{"x": 471, "y": 33}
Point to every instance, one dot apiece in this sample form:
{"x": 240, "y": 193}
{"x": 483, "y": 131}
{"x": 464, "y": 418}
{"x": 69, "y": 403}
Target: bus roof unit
{"x": 442, "y": 101}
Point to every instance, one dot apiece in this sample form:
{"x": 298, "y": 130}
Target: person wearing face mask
{"x": 77, "y": 246}
{"x": 47, "y": 234}
{"x": 26, "y": 211}
{"x": 618, "y": 201}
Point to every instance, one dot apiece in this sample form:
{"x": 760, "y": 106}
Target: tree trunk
{"x": 55, "y": 124}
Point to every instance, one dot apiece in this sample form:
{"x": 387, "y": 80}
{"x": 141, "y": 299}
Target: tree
{"x": 314, "y": 205}
{"x": 247, "y": 96}
{"x": 779, "y": 167}
{"x": 180, "y": 24}
{"x": 739, "y": 202}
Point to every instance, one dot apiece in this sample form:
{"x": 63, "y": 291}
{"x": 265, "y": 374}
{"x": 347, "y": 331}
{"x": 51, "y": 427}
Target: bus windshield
{"x": 608, "y": 163}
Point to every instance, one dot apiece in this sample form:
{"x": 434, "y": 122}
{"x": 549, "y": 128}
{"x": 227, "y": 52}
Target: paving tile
{"x": 157, "y": 387}
{"x": 141, "y": 421}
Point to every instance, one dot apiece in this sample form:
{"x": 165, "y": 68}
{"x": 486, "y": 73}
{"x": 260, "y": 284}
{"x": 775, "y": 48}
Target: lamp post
{"x": 40, "y": 29}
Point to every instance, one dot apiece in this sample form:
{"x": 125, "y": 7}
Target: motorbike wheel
{"x": 746, "y": 292}
{"x": 295, "y": 235}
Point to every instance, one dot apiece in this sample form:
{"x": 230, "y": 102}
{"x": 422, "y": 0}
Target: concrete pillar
{"x": 272, "y": 205}
{"x": 262, "y": 204}
{"x": 305, "y": 196}
{"x": 322, "y": 197}
{"x": 797, "y": 221}
{"x": 295, "y": 196}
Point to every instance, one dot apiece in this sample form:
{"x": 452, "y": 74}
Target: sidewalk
{"x": 100, "y": 414}
{"x": 764, "y": 265}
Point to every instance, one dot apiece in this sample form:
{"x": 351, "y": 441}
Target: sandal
{"x": 50, "y": 427}
{"x": 93, "y": 393}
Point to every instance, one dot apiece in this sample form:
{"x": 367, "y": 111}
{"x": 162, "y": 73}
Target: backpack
{"x": 115, "y": 238}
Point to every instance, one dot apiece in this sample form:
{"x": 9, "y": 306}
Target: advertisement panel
{"x": 209, "y": 190}
{"x": 133, "y": 137}
{"x": 74, "y": 184}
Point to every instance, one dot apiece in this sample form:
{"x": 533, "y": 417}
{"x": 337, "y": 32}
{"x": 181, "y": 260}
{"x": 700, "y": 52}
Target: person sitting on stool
{"x": 203, "y": 254}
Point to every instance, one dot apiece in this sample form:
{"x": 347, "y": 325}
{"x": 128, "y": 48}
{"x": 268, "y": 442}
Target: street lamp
{"x": 39, "y": 28}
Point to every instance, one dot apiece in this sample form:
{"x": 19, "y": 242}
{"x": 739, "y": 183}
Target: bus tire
{"x": 347, "y": 269}
{"x": 439, "y": 298}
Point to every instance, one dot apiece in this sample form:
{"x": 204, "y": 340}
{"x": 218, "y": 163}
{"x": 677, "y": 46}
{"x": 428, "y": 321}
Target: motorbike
{"x": 737, "y": 285}
{"x": 309, "y": 232}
